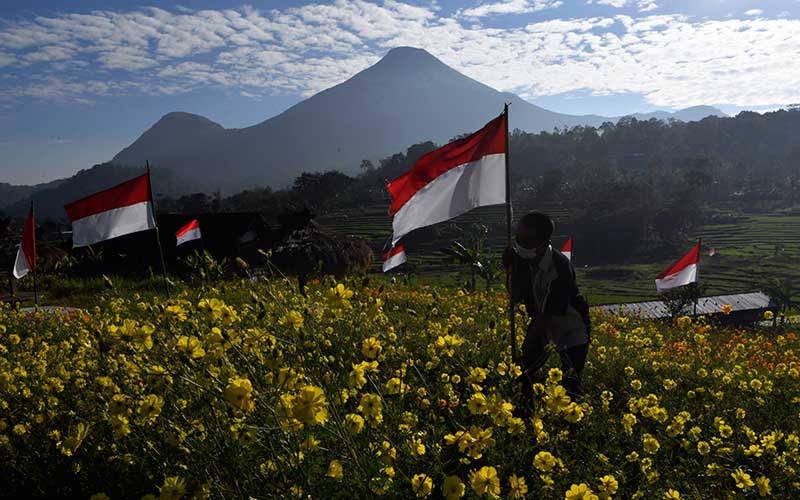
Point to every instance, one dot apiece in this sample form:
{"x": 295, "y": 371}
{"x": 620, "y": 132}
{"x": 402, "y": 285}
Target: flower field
{"x": 350, "y": 391}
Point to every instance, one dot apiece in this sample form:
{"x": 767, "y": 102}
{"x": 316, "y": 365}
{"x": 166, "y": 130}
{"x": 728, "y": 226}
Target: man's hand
{"x": 508, "y": 258}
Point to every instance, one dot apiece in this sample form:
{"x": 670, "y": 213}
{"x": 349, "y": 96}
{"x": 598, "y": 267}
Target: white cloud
{"x": 754, "y": 12}
{"x": 672, "y": 60}
{"x": 642, "y": 5}
{"x": 510, "y": 7}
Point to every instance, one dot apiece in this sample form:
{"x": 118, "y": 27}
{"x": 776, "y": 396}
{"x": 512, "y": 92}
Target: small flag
{"x": 26, "y": 255}
{"x": 567, "y": 248}
{"x": 465, "y": 174}
{"x": 680, "y": 273}
{"x": 123, "y": 209}
{"x": 394, "y": 258}
{"x": 189, "y": 232}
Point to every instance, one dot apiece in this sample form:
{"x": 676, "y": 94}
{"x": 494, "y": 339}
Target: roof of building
{"x": 705, "y": 306}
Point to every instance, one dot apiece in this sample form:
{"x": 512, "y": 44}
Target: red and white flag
{"x": 680, "y": 273}
{"x": 566, "y": 249}
{"x": 394, "y": 258}
{"x": 123, "y": 209}
{"x": 189, "y": 232}
{"x": 465, "y": 174}
{"x": 26, "y": 255}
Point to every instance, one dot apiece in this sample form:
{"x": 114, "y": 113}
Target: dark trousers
{"x": 534, "y": 356}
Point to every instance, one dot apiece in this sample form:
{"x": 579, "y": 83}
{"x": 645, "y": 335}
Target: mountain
{"x": 692, "y": 114}
{"x": 407, "y": 97}
{"x": 10, "y": 194}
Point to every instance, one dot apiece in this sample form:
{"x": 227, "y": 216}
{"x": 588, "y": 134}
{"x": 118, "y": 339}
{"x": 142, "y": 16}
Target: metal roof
{"x": 705, "y": 306}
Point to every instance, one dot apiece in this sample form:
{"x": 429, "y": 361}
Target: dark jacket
{"x": 563, "y": 290}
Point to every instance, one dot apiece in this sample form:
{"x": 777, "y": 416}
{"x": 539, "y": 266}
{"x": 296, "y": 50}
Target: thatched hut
{"x": 309, "y": 249}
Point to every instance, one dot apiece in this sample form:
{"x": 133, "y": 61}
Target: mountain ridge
{"x": 407, "y": 97}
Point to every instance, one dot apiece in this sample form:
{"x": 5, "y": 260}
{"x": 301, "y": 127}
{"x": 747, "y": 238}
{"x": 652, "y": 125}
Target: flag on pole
{"x": 189, "y": 232}
{"x": 566, "y": 249}
{"x": 26, "y": 255}
{"x": 123, "y": 209}
{"x": 393, "y": 258}
{"x": 465, "y": 174}
{"x": 680, "y": 273}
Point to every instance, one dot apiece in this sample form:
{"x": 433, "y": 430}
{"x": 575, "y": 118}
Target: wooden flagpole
{"x": 158, "y": 236}
{"x": 509, "y": 276}
{"x": 35, "y": 264}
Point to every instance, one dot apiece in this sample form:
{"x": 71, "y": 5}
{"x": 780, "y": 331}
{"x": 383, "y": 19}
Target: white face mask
{"x": 525, "y": 253}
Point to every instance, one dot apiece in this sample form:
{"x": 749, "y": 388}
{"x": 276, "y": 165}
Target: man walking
{"x": 544, "y": 280}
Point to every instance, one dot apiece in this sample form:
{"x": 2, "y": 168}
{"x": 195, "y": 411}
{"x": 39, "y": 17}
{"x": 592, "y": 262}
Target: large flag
{"x": 566, "y": 249}
{"x": 393, "y": 258}
{"x": 26, "y": 255}
{"x": 123, "y": 209}
{"x": 465, "y": 174}
{"x": 189, "y": 232}
{"x": 680, "y": 273}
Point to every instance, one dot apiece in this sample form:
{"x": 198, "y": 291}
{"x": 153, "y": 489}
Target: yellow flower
{"x": 580, "y": 492}
{"x": 726, "y": 309}
{"x": 238, "y": 393}
{"x": 485, "y": 482}
{"x": 703, "y": 447}
{"x": 518, "y": 487}
{"x": 684, "y": 321}
{"x": 608, "y": 486}
{"x": 334, "y": 469}
{"x": 453, "y": 488}
{"x": 769, "y": 315}
{"x": 292, "y": 319}
{"x": 477, "y": 404}
{"x": 371, "y": 347}
{"x": 650, "y": 443}
{"x": 671, "y": 494}
{"x": 310, "y": 406}
{"x": 764, "y": 488}
{"x": 354, "y": 423}
{"x": 544, "y": 461}
{"x": 150, "y": 407}
{"x": 743, "y": 481}
{"x": 371, "y": 407}
{"x": 173, "y": 488}
{"x": 422, "y": 485}
{"x": 190, "y": 346}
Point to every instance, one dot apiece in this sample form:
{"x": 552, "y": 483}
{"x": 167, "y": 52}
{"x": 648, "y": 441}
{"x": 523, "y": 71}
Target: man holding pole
{"x": 544, "y": 280}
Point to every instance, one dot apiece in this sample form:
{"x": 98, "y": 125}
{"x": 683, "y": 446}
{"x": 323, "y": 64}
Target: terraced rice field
{"x": 750, "y": 250}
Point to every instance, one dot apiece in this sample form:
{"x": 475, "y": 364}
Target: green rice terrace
{"x": 750, "y": 250}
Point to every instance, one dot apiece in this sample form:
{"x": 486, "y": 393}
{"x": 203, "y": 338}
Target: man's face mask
{"x": 528, "y": 253}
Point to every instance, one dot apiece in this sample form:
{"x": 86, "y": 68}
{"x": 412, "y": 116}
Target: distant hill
{"x": 407, "y": 97}
{"x": 10, "y": 194}
{"x": 693, "y": 114}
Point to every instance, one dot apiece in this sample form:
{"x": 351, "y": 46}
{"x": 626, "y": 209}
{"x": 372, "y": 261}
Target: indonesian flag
{"x": 189, "y": 232}
{"x": 394, "y": 258}
{"x": 26, "y": 255}
{"x": 680, "y": 273}
{"x": 465, "y": 174}
{"x": 123, "y": 209}
{"x": 567, "y": 248}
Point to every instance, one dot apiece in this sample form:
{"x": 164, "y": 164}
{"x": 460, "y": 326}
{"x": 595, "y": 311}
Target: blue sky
{"x": 81, "y": 80}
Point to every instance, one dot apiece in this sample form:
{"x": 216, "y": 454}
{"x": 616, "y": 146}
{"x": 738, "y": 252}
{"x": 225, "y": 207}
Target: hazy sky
{"x": 81, "y": 80}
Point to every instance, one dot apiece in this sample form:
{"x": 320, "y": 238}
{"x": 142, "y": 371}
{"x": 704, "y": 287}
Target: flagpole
{"x": 697, "y": 278}
{"x": 35, "y": 264}
{"x": 509, "y": 217}
{"x": 158, "y": 236}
